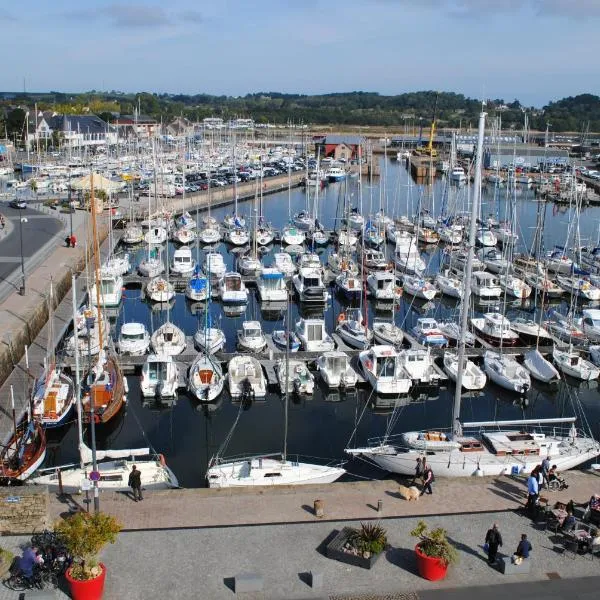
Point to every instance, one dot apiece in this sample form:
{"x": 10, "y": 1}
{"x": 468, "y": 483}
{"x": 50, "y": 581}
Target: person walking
{"x": 428, "y": 479}
{"x": 493, "y": 539}
{"x": 418, "y": 472}
{"x": 532, "y": 491}
{"x": 73, "y": 241}
{"x": 135, "y": 483}
{"x": 68, "y": 241}
{"x": 545, "y": 471}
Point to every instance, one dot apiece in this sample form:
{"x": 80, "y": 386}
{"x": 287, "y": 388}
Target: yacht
{"x": 132, "y": 235}
{"x": 134, "y": 339}
{"x": 540, "y": 368}
{"x": 346, "y": 238}
{"x": 271, "y": 285}
{"x": 335, "y": 174}
{"x": 485, "y": 285}
{"x": 531, "y": 332}
{"x": 283, "y": 262}
{"x": 418, "y": 287}
{"x": 374, "y": 260}
{"x": 246, "y": 379}
{"x": 214, "y": 265}
{"x": 118, "y": 264}
{"x": 184, "y": 236}
{"x": 383, "y": 370}
{"x": 336, "y": 371}
{"x": 579, "y": 287}
{"x": 427, "y": 333}
{"x": 381, "y": 285}
{"x": 406, "y": 256}
{"x": 349, "y": 285}
{"x": 486, "y": 237}
{"x": 183, "y": 263}
{"x": 210, "y": 235}
{"x": 304, "y": 220}
{"x": 237, "y": 236}
{"x": 156, "y": 236}
{"x": 168, "y": 339}
{"x": 160, "y": 377}
{"x": 206, "y": 380}
{"x": 451, "y": 330}
{"x": 232, "y": 289}
{"x": 558, "y": 262}
{"x": 515, "y": 287}
{"x": 53, "y": 397}
{"x": 418, "y": 365}
{"x": 151, "y": 266}
{"x": 449, "y": 284}
{"x": 387, "y": 333}
{"x": 251, "y": 337}
{"x": 313, "y": 335}
{"x": 355, "y": 220}
{"x": 310, "y": 287}
{"x": 494, "y": 328}
{"x": 249, "y": 265}
{"x": 451, "y": 234}
{"x": 493, "y": 260}
{"x": 111, "y": 291}
{"x": 353, "y": 330}
{"x": 590, "y": 324}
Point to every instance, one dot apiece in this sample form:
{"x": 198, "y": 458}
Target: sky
{"x": 533, "y": 50}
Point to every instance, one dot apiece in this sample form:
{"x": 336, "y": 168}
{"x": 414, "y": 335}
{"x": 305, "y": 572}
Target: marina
{"x": 171, "y": 425}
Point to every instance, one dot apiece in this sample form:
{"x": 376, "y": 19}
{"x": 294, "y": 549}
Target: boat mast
{"x": 456, "y": 426}
{"x": 96, "y": 260}
{"x": 77, "y": 374}
{"x": 287, "y": 380}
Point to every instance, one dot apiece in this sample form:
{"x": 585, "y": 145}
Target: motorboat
{"x": 160, "y": 290}
{"x": 214, "y": 265}
{"x": 387, "y": 333}
{"x": 449, "y": 284}
{"x": 151, "y": 266}
{"x": 108, "y": 292}
{"x": 531, "y": 332}
{"x": 205, "y": 379}
{"x": 374, "y": 260}
{"x": 156, "y": 236}
{"x": 309, "y": 286}
{"x": 505, "y": 371}
{"x": 380, "y": 285}
{"x": 427, "y": 333}
{"x": 335, "y": 174}
{"x": 457, "y": 175}
{"x": 283, "y": 262}
{"x": 160, "y": 377}
{"x": 485, "y": 285}
{"x": 134, "y": 339}
{"x": 540, "y": 368}
{"x": 292, "y": 236}
{"x": 313, "y": 335}
{"x": 209, "y": 339}
{"x": 353, "y": 329}
{"x": 245, "y": 378}
{"x": 571, "y": 363}
{"x": 336, "y": 371}
{"x": 196, "y": 288}
{"x": 579, "y": 287}
{"x": 473, "y": 378}
{"x": 514, "y": 286}
{"x": 493, "y": 260}
{"x": 286, "y": 340}
{"x": 168, "y": 339}
{"x": 271, "y": 285}
{"x": 232, "y": 289}
{"x": 590, "y": 324}
{"x": 451, "y": 330}
{"x": 494, "y": 328}
{"x": 419, "y": 366}
{"x": 183, "y": 263}
{"x": 251, "y": 337}
{"x": 418, "y": 287}
{"x": 349, "y": 285}
{"x": 383, "y": 370}
{"x": 299, "y": 381}
{"x": 310, "y": 260}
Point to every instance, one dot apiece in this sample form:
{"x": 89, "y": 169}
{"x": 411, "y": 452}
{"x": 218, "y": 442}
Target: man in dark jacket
{"x": 523, "y": 549}
{"x": 418, "y": 471}
{"x": 428, "y": 479}
{"x": 493, "y": 539}
{"x": 135, "y": 483}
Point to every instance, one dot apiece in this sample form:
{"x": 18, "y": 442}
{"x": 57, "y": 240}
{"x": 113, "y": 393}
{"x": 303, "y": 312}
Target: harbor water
{"x": 188, "y": 433}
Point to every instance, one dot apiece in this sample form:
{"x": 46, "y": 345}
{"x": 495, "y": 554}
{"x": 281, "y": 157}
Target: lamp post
{"x": 21, "y": 221}
{"x": 70, "y": 204}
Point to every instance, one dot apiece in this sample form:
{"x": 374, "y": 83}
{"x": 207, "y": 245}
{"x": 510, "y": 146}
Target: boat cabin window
{"x": 133, "y": 336}
{"x": 272, "y": 474}
{"x": 115, "y": 477}
{"x": 314, "y": 332}
{"x": 387, "y": 367}
{"x": 311, "y": 282}
{"x": 252, "y": 332}
{"x": 168, "y": 336}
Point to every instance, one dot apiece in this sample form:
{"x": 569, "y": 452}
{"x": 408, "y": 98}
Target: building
{"x": 136, "y": 126}
{"x": 345, "y": 147}
{"x": 522, "y": 155}
{"x": 212, "y": 123}
{"x": 78, "y": 131}
{"x": 179, "y": 127}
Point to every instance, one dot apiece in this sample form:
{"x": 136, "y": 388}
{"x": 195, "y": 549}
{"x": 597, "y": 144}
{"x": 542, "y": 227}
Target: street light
{"x": 21, "y": 221}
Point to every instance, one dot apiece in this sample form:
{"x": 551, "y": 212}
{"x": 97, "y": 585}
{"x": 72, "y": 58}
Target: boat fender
{"x": 125, "y": 385}
{"x": 341, "y": 317}
{"x": 161, "y": 460}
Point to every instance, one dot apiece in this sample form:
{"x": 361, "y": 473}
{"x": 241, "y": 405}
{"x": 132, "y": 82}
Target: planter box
{"x": 335, "y": 550}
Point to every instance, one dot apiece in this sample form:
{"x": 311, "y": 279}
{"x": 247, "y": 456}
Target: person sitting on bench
{"x": 523, "y": 550}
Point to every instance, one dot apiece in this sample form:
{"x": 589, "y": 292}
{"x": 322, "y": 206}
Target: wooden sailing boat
{"x": 106, "y": 387}
{"x": 26, "y": 449}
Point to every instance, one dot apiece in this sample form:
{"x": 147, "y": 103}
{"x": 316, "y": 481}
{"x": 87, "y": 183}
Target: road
{"x": 39, "y": 229}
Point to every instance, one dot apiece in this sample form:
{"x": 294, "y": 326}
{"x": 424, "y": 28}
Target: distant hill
{"x": 353, "y": 108}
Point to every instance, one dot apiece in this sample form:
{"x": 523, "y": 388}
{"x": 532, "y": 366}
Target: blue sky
{"x": 534, "y": 50}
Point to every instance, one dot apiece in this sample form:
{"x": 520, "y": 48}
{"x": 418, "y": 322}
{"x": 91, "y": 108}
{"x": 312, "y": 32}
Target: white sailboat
{"x": 473, "y": 378}
{"x": 206, "y": 380}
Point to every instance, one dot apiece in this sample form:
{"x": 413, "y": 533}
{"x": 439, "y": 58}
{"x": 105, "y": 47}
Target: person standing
{"x": 493, "y": 539}
{"x": 545, "y": 471}
{"x": 532, "y": 490}
{"x": 428, "y": 479}
{"x": 135, "y": 483}
{"x": 418, "y": 471}
{"x": 73, "y": 241}
{"x": 68, "y": 241}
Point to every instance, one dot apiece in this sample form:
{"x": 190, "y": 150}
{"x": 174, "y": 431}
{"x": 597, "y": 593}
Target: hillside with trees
{"x": 577, "y": 113}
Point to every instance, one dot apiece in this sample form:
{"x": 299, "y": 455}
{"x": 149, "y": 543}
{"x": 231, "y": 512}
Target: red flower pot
{"x": 430, "y": 568}
{"x": 91, "y": 589}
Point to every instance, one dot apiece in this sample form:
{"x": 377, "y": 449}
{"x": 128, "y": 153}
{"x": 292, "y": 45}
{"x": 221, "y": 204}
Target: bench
{"x": 316, "y": 579}
{"x": 248, "y": 582}
{"x": 507, "y": 567}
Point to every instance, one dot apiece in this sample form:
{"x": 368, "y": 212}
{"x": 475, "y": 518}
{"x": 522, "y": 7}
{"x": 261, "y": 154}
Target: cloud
{"x": 135, "y": 16}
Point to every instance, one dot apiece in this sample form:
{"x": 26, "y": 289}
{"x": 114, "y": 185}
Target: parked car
{"x": 16, "y": 203}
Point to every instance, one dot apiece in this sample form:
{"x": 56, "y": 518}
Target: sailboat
{"x": 53, "y": 396}
{"x": 269, "y": 469}
{"x": 206, "y": 380}
{"x": 491, "y": 452}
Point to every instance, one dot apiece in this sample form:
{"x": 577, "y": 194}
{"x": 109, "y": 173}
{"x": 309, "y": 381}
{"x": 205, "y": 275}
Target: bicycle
{"x": 39, "y": 579}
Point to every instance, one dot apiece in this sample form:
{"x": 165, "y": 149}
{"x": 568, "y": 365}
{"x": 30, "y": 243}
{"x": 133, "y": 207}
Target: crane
{"x": 429, "y": 150}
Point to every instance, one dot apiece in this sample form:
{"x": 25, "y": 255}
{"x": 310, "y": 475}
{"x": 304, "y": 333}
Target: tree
{"x": 15, "y": 123}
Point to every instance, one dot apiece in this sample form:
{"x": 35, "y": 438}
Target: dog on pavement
{"x": 409, "y": 493}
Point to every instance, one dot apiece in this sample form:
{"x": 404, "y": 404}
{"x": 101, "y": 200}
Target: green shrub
{"x": 434, "y": 543}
